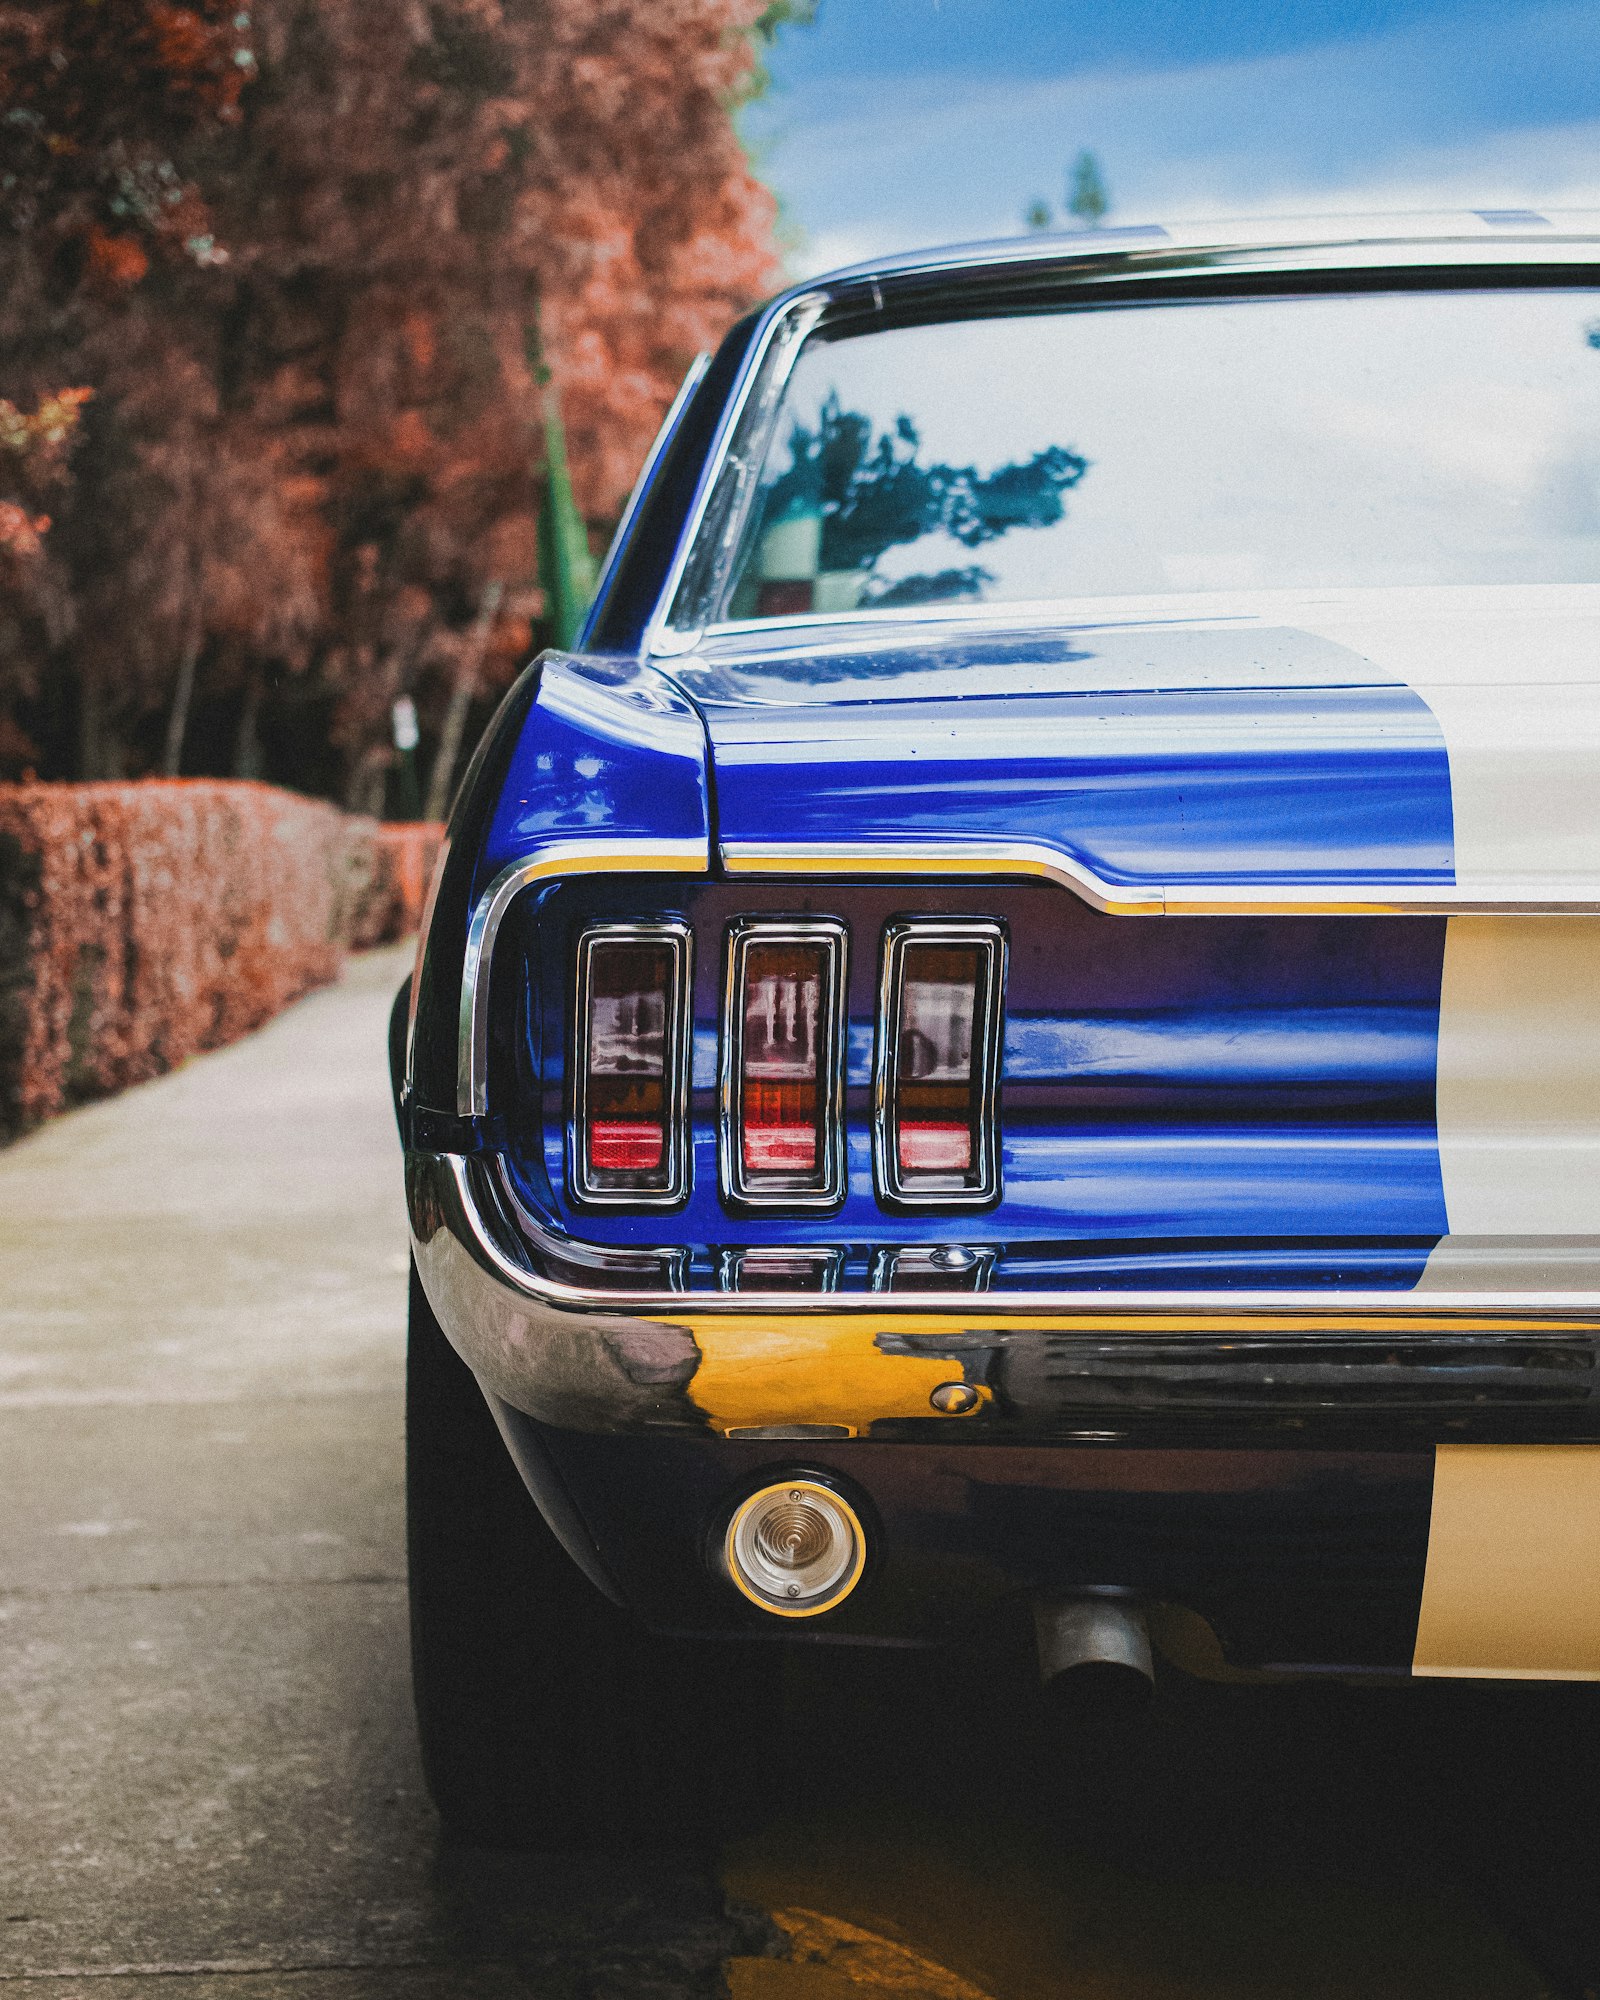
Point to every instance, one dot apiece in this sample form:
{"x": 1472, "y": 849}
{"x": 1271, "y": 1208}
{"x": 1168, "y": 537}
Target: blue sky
{"x": 899, "y": 122}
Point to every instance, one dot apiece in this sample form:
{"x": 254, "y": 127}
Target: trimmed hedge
{"x": 402, "y": 855}
{"x": 141, "y": 923}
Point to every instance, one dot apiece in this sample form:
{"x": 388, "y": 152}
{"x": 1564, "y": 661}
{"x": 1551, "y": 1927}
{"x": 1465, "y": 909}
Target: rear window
{"x": 1369, "y": 439}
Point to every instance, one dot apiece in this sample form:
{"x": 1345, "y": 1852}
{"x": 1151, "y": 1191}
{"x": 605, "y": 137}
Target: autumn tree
{"x": 296, "y": 253}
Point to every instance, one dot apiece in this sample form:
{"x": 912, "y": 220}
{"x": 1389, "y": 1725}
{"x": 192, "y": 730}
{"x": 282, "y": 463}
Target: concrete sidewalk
{"x": 207, "y": 1748}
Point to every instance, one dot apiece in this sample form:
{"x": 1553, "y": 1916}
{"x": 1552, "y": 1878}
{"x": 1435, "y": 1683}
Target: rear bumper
{"x": 1259, "y": 1473}
{"x": 1386, "y": 1371}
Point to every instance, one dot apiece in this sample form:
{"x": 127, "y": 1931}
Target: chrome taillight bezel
{"x": 743, "y": 1268}
{"x": 676, "y": 935}
{"x": 770, "y": 1191}
{"x": 988, "y": 936}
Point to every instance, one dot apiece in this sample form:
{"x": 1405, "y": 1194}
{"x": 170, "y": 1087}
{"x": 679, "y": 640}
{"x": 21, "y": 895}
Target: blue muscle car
{"x": 1008, "y": 1051}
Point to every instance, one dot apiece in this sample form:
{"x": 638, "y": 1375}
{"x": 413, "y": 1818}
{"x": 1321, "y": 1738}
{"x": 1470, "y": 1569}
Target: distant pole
{"x": 566, "y": 568}
{"x": 403, "y": 721}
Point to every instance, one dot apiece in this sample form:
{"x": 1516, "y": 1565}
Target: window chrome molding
{"x": 990, "y": 860}
{"x": 641, "y": 486}
{"x": 742, "y": 934}
{"x": 727, "y": 480}
{"x": 675, "y": 934}
{"x": 989, "y": 938}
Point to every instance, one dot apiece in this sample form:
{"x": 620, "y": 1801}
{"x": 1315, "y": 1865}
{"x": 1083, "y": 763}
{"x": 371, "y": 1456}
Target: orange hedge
{"x": 141, "y": 923}
{"x": 402, "y": 858}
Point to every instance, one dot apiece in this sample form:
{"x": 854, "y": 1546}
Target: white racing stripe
{"x": 1512, "y": 1585}
{"x": 1513, "y": 679}
{"x": 1519, "y": 1077}
{"x": 1512, "y": 676}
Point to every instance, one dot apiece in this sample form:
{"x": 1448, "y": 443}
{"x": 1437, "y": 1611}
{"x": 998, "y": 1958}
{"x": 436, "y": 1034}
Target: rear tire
{"x": 548, "y": 1717}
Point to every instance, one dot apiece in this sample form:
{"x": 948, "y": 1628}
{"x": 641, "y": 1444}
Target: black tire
{"x": 548, "y": 1717}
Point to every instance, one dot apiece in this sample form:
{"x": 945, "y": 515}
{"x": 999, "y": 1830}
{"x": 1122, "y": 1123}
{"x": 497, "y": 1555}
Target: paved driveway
{"x": 208, "y": 1780}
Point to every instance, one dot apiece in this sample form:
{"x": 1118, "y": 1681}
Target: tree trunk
{"x": 89, "y": 724}
{"x": 441, "y": 779}
{"x": 247, "y": 744}
{"x": 182, "y": 696}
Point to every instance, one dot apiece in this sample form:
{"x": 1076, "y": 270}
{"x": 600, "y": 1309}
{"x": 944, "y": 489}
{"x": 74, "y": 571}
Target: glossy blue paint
{"x": 1359, "y": 1048}
{"x": 609, "y": 750}
{"x": 1161, "y": 754}
{"x": 1269, "y": 1107}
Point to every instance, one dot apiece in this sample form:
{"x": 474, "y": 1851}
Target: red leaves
{"x": 115, "y": 261}
{"x": 20, "y": 532}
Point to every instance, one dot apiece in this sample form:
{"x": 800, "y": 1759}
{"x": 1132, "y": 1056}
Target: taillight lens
{"x": 630, "y": 1065}
{"x": 782, "y": 1062}
{"x": 938, "y": 1062}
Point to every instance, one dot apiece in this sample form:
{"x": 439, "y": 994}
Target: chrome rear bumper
{"x": 1379, "y": 1368}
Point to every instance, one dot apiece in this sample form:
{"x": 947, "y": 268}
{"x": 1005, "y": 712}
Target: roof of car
{"x": 1509, "y": 235}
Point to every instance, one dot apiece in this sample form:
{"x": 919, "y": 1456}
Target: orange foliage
{"x": 116, "y": 260}
{"x": 306, "y": 309}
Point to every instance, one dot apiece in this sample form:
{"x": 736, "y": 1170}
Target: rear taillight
{"x": 783, "y": 1063}
{"x": 630, "y": 1065}
{"x": 938, "y": 1062}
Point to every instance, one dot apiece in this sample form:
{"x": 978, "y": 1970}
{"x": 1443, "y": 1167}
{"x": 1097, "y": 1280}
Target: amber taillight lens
{"x": 629, "y": 1139}
{"x": 782, "y": 1062}
{"x": 938, "y": 1062}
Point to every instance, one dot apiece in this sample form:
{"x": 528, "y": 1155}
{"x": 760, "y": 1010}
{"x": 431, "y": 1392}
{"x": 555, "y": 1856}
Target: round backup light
{"x": 796, "y": 1548}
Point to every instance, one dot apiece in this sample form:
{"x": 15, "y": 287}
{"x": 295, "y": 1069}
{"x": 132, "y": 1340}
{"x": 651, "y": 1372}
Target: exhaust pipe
{"x": 1099, "y": 1643}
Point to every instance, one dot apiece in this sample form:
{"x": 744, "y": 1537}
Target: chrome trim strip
{"x": 742, "y": 933}
{"x": 1028, "y": 858}
{"x": 1160, "y": 1313}
{"x": 560, "y": 858}
{"x": 675, "y": 933}
{"x": 668, "y": 1262}
{"x": 1436, "y": 238}
{"x": 988, "y": 1041}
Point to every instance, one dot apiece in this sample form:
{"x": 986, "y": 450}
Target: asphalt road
{"x": 208, "y": 1779}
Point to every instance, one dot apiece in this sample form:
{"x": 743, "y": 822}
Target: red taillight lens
{"x": 938, "y": 1062}
{"x": 782, "y": 1082}
{"x": 780, "y": 1131}
{"x": 939, "y": 1102}
{"x": 628, "y": 1063}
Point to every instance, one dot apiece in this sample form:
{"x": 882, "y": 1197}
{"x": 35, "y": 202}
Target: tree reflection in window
{"x": 847, "y": 497}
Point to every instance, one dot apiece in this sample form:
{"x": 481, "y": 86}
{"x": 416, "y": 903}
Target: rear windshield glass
{"x": 1401, "y": 438}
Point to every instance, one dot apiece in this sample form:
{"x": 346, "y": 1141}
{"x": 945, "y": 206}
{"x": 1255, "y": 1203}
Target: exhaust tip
{"x": 1097, "y": 1648}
